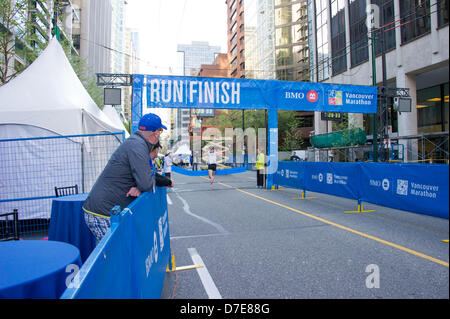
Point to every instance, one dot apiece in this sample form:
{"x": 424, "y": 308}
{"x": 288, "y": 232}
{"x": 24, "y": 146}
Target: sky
{"x": 162, "y": 24}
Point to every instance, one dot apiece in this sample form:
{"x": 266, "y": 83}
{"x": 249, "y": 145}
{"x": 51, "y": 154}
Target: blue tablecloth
{"x": 35, "y": 268}
{"x": 67, "y": 224}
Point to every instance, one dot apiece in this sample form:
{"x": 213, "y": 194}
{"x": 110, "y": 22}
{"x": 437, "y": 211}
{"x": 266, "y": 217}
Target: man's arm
{"x": 139, "y": 159}
{"x": 163, "y": 181}
{"x": 134, "y": 192}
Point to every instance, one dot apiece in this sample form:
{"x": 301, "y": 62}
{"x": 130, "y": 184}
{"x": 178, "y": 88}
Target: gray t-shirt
{"x": 129, "y": 166}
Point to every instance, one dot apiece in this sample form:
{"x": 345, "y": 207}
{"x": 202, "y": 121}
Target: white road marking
{"x": 205, "y": 277}
{"x": 169, "y": 201}
{"x": 187, "y": 210}
{"x": 196, "y": 236}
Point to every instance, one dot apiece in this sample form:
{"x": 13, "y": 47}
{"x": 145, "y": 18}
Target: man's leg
{"x": 97, "y": 225}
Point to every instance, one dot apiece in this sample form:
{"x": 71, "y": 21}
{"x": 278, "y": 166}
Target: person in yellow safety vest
{"x": 260, "y": 160}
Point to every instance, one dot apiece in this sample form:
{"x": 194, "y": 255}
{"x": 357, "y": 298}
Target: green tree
{"x": 16, "y": 38}
{"x": 85, "y": 74}
{"x": 288, "y": 129}
{"x": 288, "y": 125}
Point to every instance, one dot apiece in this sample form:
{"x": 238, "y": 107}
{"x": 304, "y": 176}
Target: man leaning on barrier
{"x": 125, "y": 176}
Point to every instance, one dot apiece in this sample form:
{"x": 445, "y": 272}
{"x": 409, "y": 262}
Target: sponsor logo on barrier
{"x": 424, "y": 190}
{"x": 163, "y": 228}
{"x": 288, "y": 174}
{"x": 359, "y": 99}
{"x": 406, "y": 188}
{"x": 161, "y": 234}
{"x": 329, "y": 178}
{"x": 155, "y": 246}
{"x": 312, "y": 96}
{"x": 320, "y": 177}
{"x": 294, "y": 95}
{"x": 334, "y": 97}
{"x": 402, "y": 187}
{"x": 152, "y": 256}
{"x": 385, "y": 184}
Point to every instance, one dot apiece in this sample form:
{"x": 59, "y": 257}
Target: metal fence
{"x": 424, "y": 148}
{"x": 31, "y": 168}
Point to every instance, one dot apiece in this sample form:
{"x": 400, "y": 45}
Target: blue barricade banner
{"x": 131, "y": 260}
{"x": 138, "y": 89}
{"x": 420, "y": 188}
{"x": 203, "y": 92}
{"x": 339, "y": 179}
{"x": 290, "y": 174}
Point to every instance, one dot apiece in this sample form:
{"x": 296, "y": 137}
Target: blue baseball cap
{"x": 150, "y": 122}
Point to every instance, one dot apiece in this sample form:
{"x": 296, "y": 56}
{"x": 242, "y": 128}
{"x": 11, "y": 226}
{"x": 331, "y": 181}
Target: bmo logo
{"x": 312, "y": 96}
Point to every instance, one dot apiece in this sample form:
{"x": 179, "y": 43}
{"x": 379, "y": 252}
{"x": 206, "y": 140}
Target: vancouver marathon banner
{"x": 227, "y": 93}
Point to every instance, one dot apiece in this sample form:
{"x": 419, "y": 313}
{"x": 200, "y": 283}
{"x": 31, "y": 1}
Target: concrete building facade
{"x": 236, "y": 37}
{"x": 416, "y": 35}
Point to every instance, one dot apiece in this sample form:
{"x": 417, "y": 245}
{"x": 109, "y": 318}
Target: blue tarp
{"x": 290, "y": 174}
{"x": 131, "y": 259}
{"x": 418, "y": 188}
{"x": 339, "y": 179}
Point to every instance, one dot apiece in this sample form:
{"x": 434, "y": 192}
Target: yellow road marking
{"x": 402, "y": 248}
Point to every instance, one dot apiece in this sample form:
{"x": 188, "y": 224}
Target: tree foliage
{"x": 85, "y": 74}
{"x": 289, "y": 134}
{"x": 16, "y": 38}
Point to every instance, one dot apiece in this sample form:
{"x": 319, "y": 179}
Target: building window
{"x": 284, "y": 57}
{"x": 311, "y": 42}
{"x": 432, "y": 109}
{"x": 387, "y": 20}
{"x": 415, "y": 19}
{"x": 323, "y": 63}
{"x": 442, "y": 12}
{"x": 432, "y": 117}
{"x": 358, "y": 32}
{"x": 338, "y": 45}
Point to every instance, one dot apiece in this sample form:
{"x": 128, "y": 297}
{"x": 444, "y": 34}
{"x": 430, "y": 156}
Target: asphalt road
{"x": 256, "y": 243}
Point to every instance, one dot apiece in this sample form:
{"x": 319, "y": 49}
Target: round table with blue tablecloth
{"x": 36, "y": 269}
{"x": 67, "y": 224}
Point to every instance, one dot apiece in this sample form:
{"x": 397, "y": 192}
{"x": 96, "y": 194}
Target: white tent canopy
{"x": 183, "y": 150}
{"x": 114, "y": 117}
{"x": 43, "y": 103}
{"x": 49, "y": 95}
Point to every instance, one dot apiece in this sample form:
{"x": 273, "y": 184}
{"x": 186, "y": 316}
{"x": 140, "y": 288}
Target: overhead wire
{"x": 315, "y": 66}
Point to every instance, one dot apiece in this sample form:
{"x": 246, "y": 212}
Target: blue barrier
{"x": 131, "y": 259}
{"x": 339, "y": 179}
{"x": 290, "y": 174}
{"x": 418, "y": 188}
{"x": 179, "y": 170}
